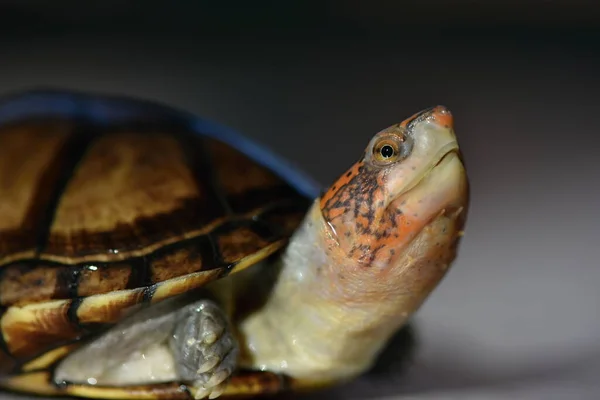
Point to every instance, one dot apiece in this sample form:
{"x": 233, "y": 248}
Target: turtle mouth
{"x": 436, "y": 192}
{"x": 441, "y": 156}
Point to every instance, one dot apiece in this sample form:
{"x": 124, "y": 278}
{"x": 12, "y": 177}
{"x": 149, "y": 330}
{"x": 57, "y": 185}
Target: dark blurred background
{"x": 517, "y": 317}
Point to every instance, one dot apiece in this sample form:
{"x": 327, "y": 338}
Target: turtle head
{"x": 395, "y": 216}
{"x": 369, "y": 252}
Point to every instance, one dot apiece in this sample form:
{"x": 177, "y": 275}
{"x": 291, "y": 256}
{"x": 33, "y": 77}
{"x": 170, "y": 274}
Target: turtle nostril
{"x": 443, "y": 116}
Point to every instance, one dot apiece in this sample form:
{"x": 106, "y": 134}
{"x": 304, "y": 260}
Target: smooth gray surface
{"x": 517, "y": 317}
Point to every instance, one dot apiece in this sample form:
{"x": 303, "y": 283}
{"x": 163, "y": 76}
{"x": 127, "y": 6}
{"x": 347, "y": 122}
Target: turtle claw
{"x": 202, "y": 392}
{"x": 210, "y": 363}
{"x": 205, "y": 349}
{"x": 217, "y": 390}
{"x": 212, "y": 383}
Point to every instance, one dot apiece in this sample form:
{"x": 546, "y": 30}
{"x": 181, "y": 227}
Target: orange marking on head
{"x": 336, "y": 212}
{"x": 340, "y": 183}
{"x": 402, "y": 228}
{"x": 367, "y": 210}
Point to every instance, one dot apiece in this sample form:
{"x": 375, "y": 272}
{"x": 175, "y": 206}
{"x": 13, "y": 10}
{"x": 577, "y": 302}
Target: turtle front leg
{"x": 174, "y": 340}
{"x": 205, "y": 348}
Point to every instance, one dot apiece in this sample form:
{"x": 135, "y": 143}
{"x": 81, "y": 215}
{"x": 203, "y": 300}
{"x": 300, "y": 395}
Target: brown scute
{"x": 132, "y": 216}
{"x": 31, "y": 329}
{"x": 130, "y": 190}
{"x": 233, "y": 245}
{"x": 236, "y": 172}
{"x": 287, "y": 221}
{"x": 23, "y": 283}
{"x": 178, "y": 262}
{"x": 221, "y": 248}
{"x": 108, "y": 308}
{"x": 29, "y": 169}
{"x": 246, "y": 184}
{"x": 184, "y": 284}
{"x": 102, "y": 278}
{"x": 26, "y": 283}
{"x": 35, "y": 328}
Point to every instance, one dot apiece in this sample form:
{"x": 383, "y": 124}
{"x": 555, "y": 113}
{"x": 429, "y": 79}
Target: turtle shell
{"x": 109, "y": 203}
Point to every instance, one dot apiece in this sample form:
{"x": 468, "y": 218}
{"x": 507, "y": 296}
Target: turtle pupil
{"x": 387, "y": 151}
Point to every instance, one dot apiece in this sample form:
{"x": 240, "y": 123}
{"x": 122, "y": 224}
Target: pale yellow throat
{"x": 317, "y": 326}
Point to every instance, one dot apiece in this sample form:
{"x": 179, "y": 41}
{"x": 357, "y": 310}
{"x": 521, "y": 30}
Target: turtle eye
{"x": 388, "y": 149}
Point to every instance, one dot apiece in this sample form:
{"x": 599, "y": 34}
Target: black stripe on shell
{"x": 55, "y": 180}
{"x": 67, "y": 282}
{"x": 72, "y": 313}
{"x": 141, "y": 274}
{"x": 141, "y": 277}
{"x": 148, "y": 294}
{"x": 205, "y": 246}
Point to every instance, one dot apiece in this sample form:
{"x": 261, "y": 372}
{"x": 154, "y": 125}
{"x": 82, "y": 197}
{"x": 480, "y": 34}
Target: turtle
{"x": 148, "y": 253}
